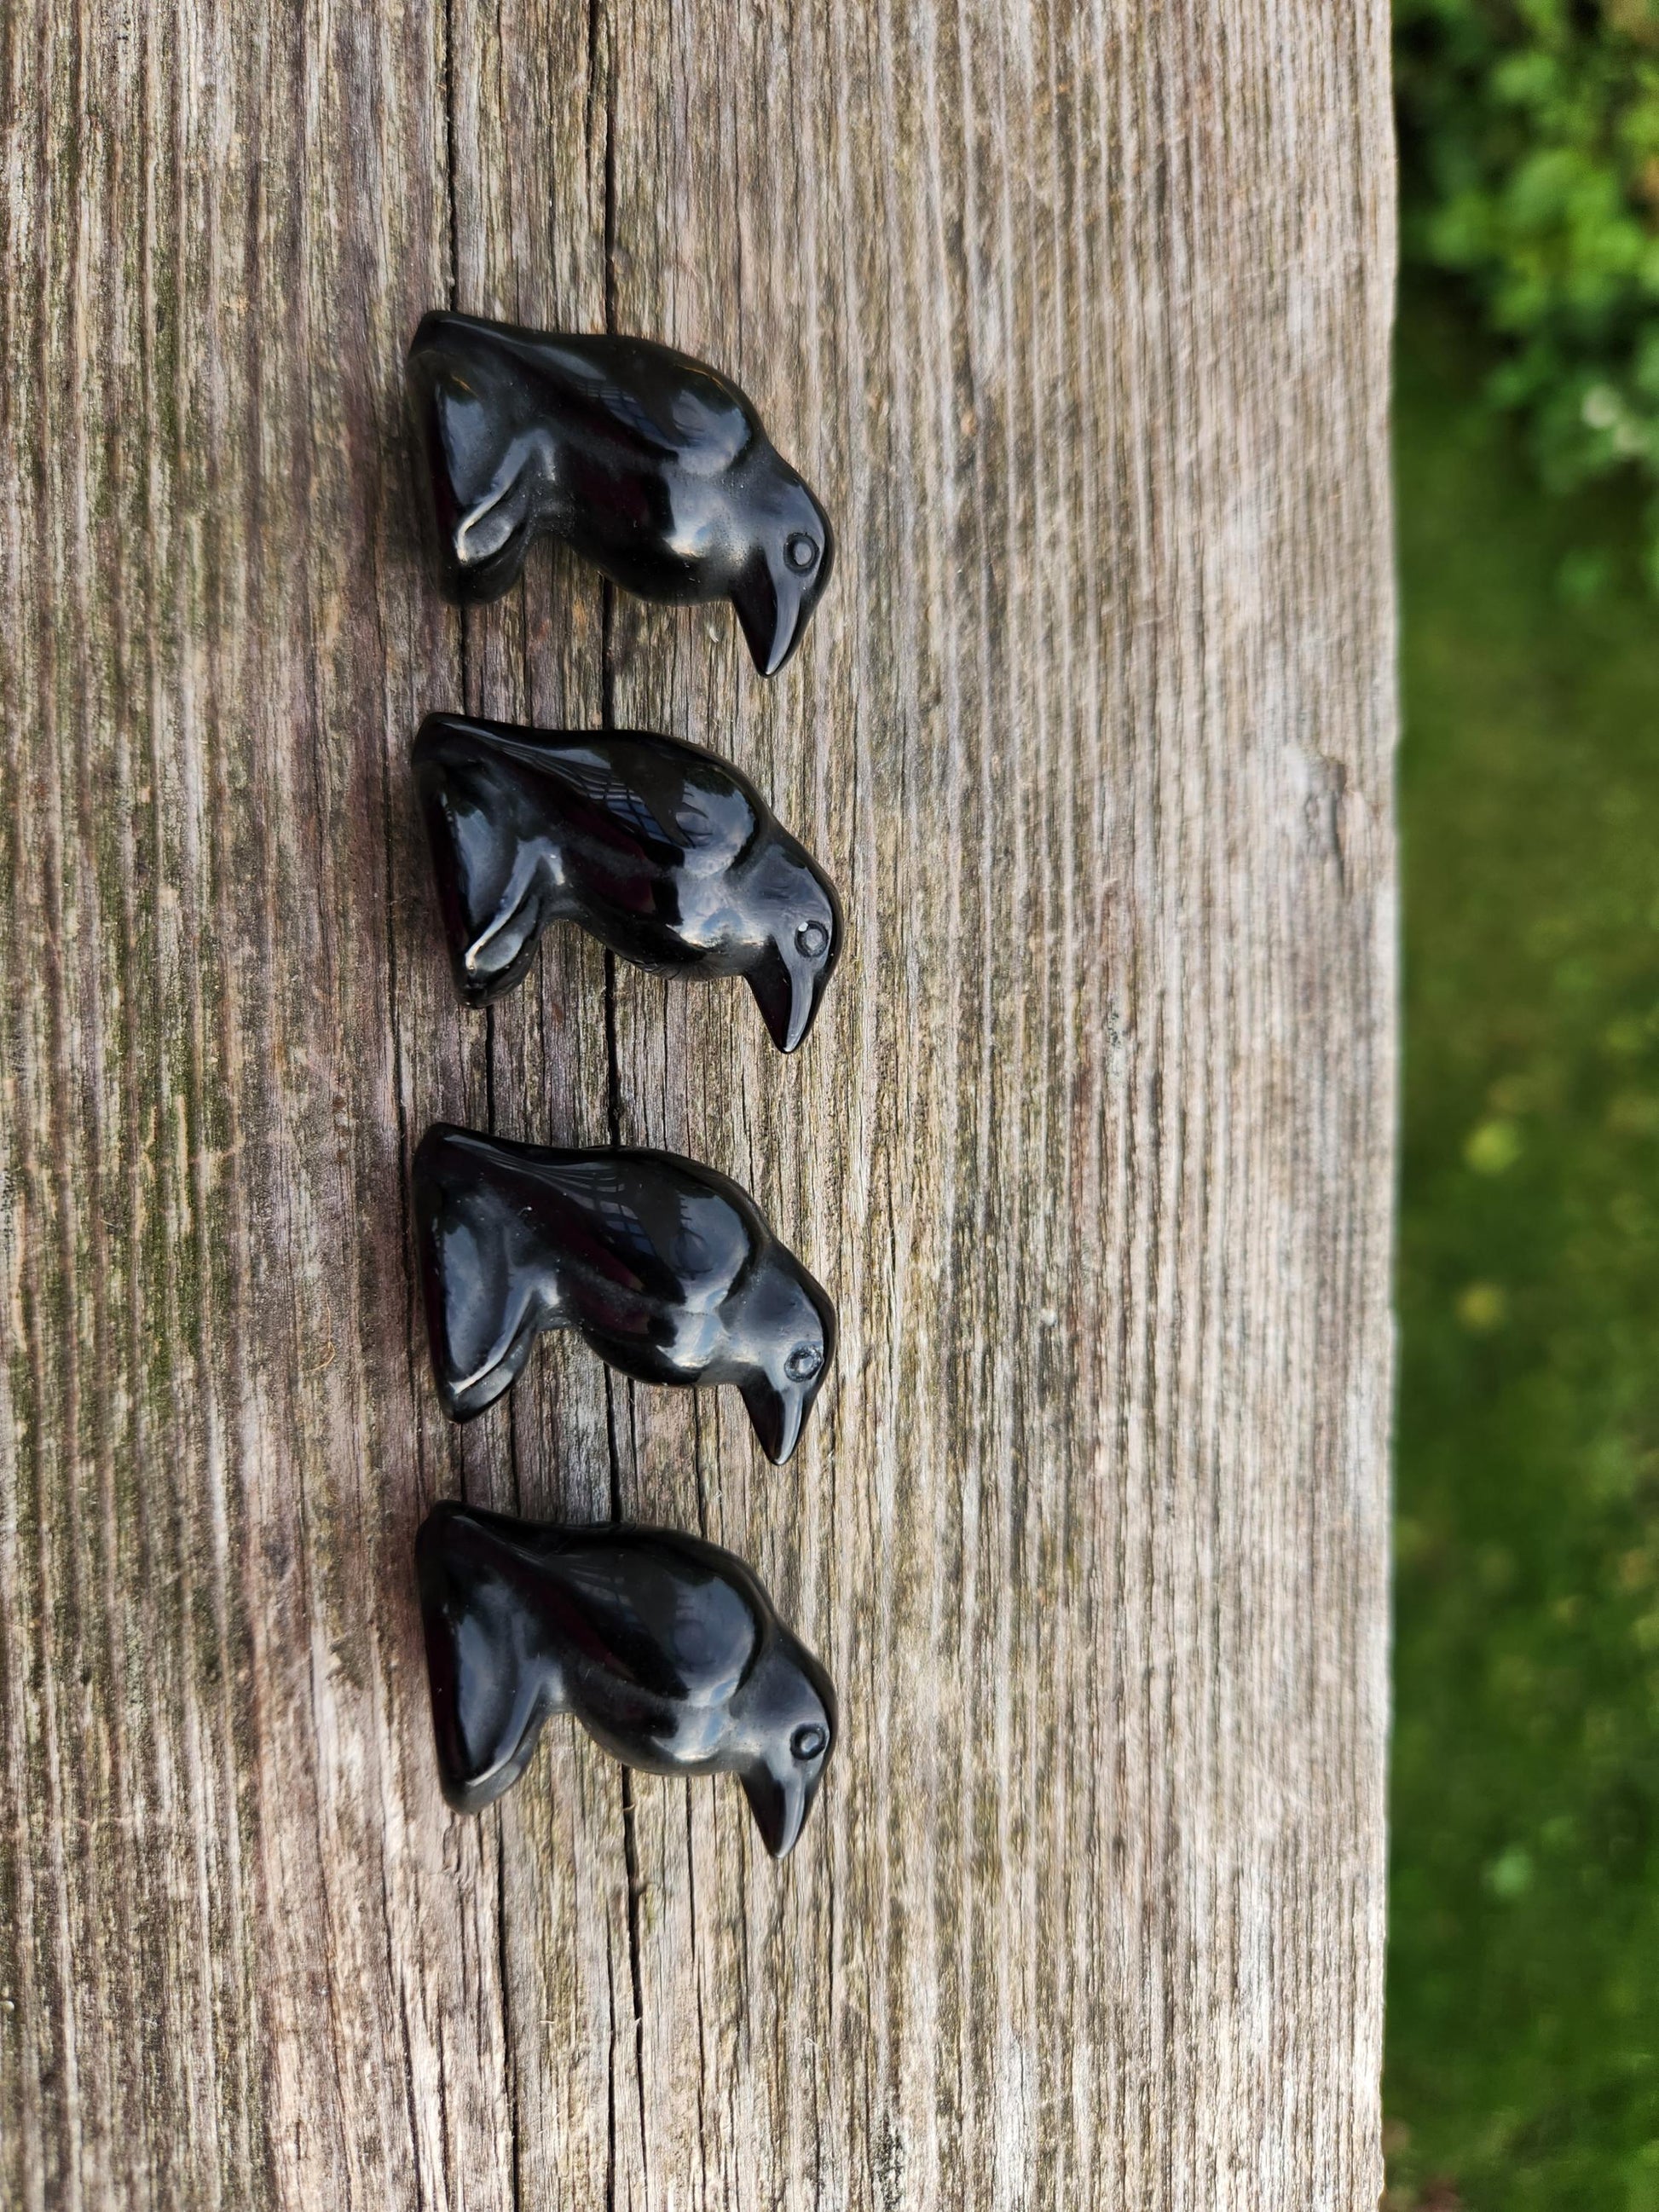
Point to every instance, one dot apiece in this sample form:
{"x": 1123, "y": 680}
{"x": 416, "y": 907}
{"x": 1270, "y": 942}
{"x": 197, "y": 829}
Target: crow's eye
{"x": 801, "y": 552}
{"x": 803, "y": 1363}
{"x": 811, "y": 939}
{"x": 807, "y": 1742}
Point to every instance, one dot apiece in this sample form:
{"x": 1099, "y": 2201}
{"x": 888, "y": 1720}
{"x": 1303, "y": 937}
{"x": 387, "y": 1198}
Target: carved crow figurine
{"x": 665, "y": 1268}
{"x": 658, "y": 849}
{"x": 648, "y": 463}
{"x": 664, "y": 1648}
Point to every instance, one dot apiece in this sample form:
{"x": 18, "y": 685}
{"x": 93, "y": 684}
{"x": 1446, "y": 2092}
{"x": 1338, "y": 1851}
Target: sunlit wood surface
{"x": 1076, "y": 314}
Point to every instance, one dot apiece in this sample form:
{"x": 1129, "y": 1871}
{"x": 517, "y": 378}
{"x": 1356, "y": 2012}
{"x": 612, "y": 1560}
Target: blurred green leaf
{"x": 1530, "y": 135}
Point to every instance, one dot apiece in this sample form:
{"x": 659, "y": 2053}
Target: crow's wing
{"x": 662, "y": 404}
{"x": 643, "y": 1223}
{"x": 654, "y": 1611}
{"x": 675, "y": 801}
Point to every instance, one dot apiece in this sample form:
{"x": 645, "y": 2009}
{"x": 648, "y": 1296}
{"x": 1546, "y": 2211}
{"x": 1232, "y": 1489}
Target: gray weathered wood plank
{"x": 1076, "y": 314}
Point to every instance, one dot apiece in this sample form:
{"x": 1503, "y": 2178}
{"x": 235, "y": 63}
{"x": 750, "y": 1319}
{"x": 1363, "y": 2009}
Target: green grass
{"x": 1524, "y": 1990}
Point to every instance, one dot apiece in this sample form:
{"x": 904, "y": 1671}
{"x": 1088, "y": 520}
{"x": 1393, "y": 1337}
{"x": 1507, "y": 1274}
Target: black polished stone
{"x": 662, "y": 851}
{"x": 664, "y": 1648}
{"x": 649, "y": 463}
{"x": 665, "y": 1268}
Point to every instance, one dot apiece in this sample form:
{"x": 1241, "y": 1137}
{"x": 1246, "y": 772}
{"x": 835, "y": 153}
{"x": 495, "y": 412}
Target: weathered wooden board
{"x": 1077, "y": 315}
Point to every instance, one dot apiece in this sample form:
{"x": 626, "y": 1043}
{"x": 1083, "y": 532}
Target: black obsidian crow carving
{"x": 665, "y": 1268}
{"x": 664, "y": 1648}
{"x": 648, "y": 463}
{"x": 658, "y": 849}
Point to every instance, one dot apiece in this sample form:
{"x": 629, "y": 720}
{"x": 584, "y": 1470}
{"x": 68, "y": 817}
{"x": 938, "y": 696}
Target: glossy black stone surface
{"x": 649, "y": 463}
{"x": 665, "y": 1268}
{"x": 664, "y": 1648}
{"x": 662, "y": 851}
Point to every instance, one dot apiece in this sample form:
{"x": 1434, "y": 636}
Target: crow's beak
{"x": 779, "y": 1805}
{"x": 777, "y": 1416}
{"x": 788, "y": 998}
{"x": 774, "y": 598}
{"x": 770, "y": 618}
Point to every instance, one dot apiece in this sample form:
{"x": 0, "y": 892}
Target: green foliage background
{"x": 1524, "y": 1983}
{"x": 1530, "y": 136}
{"x": 1523, "y": 1995}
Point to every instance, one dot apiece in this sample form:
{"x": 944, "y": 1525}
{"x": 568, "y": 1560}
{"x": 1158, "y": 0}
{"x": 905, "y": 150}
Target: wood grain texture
{"x": 1076, "y": 314}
